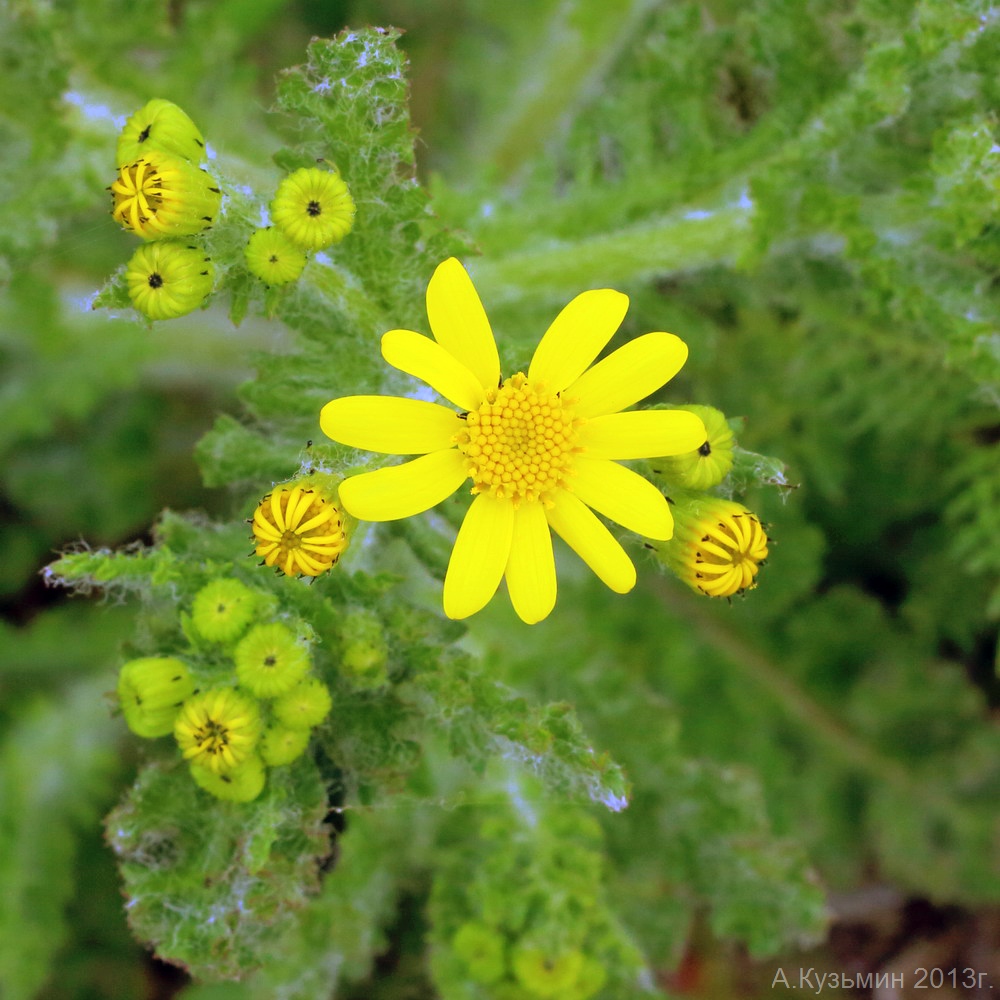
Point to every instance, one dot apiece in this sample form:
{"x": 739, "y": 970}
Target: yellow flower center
{"x": 727, "y": 557}
{"x": 138, "y": 193}
{"x": 520, "y": 442}
{"x": 211, "y": 737}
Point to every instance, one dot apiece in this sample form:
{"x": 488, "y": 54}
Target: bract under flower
{"x": 542, "y": 448}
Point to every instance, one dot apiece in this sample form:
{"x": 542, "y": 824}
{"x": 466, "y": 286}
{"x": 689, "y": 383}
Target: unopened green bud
{"x": 223, "y": 609}
{"x": 161, "y": 125}
{"x": 151, "y": 691}
{"x": 708, "y": 464}
{"x": 281, "y": 745}
{"x": 482, "y": 951}
{"x": 305, "y": 706}
{"x": 242, "y": 784}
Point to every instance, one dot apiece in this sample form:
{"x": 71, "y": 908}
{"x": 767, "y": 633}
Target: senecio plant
{"x": 311, "y": 704}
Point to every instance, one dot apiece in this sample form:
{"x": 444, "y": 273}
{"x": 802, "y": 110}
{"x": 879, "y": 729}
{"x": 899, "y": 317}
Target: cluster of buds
{"x": 482, "y": 935}
{"x": 312, "y": 209}
{"x": 229, "y": 730}
{"x": 163, "y": 195}
{"x": 718, "y": 545}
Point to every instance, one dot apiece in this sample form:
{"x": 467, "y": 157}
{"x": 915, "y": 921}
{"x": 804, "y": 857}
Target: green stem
{"x": 683, "y": 241}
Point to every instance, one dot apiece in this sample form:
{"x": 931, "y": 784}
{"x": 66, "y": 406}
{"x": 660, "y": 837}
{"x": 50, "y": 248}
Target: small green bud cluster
{"x": 553, "y": 940}
{"x": 164, "y": 196}
{"x": 312, "y": 209}
{"x": 231, "y": 728}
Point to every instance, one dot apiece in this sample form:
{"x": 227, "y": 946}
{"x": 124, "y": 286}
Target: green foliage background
{"x": 806, "y": 193}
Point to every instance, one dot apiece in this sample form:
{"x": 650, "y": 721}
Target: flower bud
{"x": 482, "y": 950}
{"x": 708, "y": 464}
{"x": 223, "y": 609}
{"x": 163, "y": 126}
{"x": 151, "y": 691}
{"x": 299, "y": 529}
{"x": 218, "y": 729}
{"x": 545, "y": 975}
{"x": 305, "y": 706}
{"x": 270, "y": 660}
{"x": 364, "y": 655}
{"x": 313, "y": 208}
{"x": 162, "y": 195}
{"x": 272, "y": 257}
{"x": 281, "y": 745}
{"x": 167, "y": 279}
{"x": 242, "y": 784}
{"x": 718, "y": 545}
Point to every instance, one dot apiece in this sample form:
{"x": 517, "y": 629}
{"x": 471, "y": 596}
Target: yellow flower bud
{"x": 218, "y": 729}
{"x": 167, "y": 279}
{"x": 299, "y": 529}
{"x": 272, "y": 257}
{"x": 162, "y": 195}
{"x": 313, "y": 208}
{"x": 718, "y": 545}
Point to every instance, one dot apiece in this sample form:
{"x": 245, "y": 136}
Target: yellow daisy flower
{"x": 541, "y": 448}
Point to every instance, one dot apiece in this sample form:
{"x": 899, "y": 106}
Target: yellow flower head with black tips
{"x": 298, "y": 529}
{"x": 168, "y": 278}
{"x": 162, "y": 195}
{"x": 218, "y": 729}
{"x": 313, "y": 208}
{"x": 161, "y": 125}
{"x": 542, "y": 449}
{"x": 718, "y": 546}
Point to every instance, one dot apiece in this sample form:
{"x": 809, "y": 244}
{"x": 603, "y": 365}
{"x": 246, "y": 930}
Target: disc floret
{"x": 520, "y": 442}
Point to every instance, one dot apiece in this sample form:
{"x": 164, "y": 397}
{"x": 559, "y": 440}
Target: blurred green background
{"x": 806, "y": 193}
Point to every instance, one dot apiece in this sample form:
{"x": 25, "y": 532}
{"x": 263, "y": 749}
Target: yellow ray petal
{"x": 479, "y": 557}
{"x": 580, "y": 529}
{"x": 531, "y": 569}
{"x": 642, "y": 434}
{"x": 390, "y": 424}
{"x": 428, "y": 361}
{"x": 624, "y": 496}
{"x": 577, "y": 335}
{"x": 629, "y": 374}
{"x": 404, "y": 490}
{"x": 459, "y": 324}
